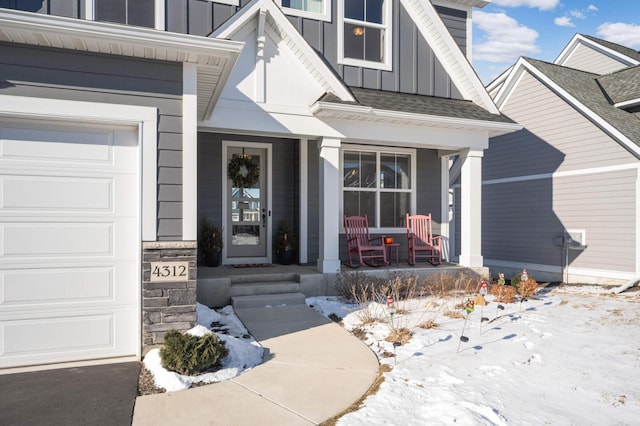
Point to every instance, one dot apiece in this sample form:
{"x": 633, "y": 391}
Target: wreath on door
{"x": 242, "y": 171}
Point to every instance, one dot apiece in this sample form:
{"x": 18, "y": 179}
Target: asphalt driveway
{"x": 94, "y": 395}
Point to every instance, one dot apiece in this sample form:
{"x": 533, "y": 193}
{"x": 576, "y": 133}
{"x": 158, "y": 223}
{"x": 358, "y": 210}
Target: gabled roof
{"x": 582, "y": 91}
{"x": 267, "y": 10}
{"x": 214, "y": 59}
{"x": 453, "y": 60}
{"x": 622, "y": 87}
{"x": 623, "y": 54}
{"x": 378, "y": 105}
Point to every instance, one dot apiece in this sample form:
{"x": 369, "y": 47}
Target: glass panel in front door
{"x": 247, "y": 221}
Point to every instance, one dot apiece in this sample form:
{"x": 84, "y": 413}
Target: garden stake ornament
{"x": 483, "y": 293}
{"x": 468, "y": 307}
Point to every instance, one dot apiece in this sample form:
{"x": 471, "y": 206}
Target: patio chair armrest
{"x": 381, "y": 238}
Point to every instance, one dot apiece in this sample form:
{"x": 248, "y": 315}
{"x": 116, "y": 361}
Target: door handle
{"x": 264, "y": 218}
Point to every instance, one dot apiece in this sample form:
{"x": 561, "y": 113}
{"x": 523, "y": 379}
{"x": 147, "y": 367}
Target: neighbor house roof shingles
{"x": 584, "y": 87}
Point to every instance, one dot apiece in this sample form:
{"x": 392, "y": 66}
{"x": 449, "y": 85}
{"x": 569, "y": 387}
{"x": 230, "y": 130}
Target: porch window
{"x": 313, "y": 9}
{"x": 364, "y": 33}
{"x": 378, "y": 184}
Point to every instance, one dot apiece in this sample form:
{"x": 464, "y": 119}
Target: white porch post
{"x": 304, "y": 201}
{"x": 444, "y": 210}
{"x": 471, "y": 208}
{"x": 189, "y": 153}
{"x": 329, "y": 260}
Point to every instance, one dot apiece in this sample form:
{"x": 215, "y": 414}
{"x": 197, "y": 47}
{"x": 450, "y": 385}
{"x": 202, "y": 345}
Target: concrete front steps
{"x": 266, "y": 290}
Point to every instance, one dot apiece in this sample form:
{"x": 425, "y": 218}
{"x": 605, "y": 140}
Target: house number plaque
{"x": 169, "y": 271}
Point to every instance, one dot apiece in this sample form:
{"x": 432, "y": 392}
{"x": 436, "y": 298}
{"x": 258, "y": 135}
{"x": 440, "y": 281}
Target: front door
{"x": 248, "y": 215}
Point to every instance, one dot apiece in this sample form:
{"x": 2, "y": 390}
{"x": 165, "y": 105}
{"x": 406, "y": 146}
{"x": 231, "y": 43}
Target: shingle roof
{"x": 623, "y": 85}
{"x": 584, "y": 87}
{"x": 418, "y": 104}
{"x": 634, "y": 54}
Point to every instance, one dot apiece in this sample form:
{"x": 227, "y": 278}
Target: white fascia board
{"x": 579, "y": 38}
{"x": 447, "y": 51}
{"x": 113, "y": 39}
{"x": 627, "y": 104}
{"x": 331, "y": 110}
{"x": 309, "y": 58}
{"x": 629, "y": 144}
{"x": 470, "y": 3}
{"x": 498, "y": 81}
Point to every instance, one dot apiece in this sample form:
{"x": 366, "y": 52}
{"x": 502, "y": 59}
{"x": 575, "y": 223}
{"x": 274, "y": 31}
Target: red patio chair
{"x": 421, "y": 241}
{"x": 359, "y": 243}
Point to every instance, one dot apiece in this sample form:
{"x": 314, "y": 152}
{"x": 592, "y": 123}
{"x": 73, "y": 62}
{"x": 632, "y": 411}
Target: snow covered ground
{"x": 570, "y": 356}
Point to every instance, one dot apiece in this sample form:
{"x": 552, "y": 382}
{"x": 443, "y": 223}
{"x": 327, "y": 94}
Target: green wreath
{"x": 242, "y": 171}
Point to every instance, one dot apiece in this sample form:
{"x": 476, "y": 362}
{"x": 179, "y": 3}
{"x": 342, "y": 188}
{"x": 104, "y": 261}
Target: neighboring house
{"x": 572, "y": 171}
{"x": 119, "y": 119}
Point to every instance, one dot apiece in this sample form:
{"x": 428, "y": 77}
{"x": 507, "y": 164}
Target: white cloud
{"x": 592, "y": 8}
{"x": 625, "y": 34}
{"x": 540, "y": 4}
{"x": 563, "y": 21}
{"x": 504, "y": 39}
{"x": 577, "y": 14}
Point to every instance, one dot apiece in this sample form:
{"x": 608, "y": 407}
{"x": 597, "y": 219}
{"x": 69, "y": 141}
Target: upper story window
{"x": 312, "y": 9}
{"x": 364, "y": 33}
{"x": 130, "y": 12}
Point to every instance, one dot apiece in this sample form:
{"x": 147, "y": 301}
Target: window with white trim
{"x": 313, "y": 9}
{"x": 378, "y": 184}
{"x": 130, "y": 12}
{"x": 364, "y": 33}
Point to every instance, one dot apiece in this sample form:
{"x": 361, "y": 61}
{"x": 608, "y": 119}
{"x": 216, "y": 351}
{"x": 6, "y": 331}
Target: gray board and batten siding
{"x": 534, "y": 205}
{"x": 415, "y": 70}
{"x": 60, "y": 74}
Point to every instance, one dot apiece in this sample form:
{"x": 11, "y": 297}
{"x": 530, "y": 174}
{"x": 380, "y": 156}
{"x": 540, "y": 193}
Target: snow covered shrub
{"x": 190, "y": 355}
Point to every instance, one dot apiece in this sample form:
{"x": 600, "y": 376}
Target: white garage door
{"x": 69, "y": 243}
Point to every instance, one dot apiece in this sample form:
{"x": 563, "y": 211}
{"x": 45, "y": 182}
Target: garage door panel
{"x": 75, "y": 336}
{"x": 58, "y": 146}
{"x": 25, "y": 193}
{"x": 37, "y": 239}
{"x": 56, "y": 286}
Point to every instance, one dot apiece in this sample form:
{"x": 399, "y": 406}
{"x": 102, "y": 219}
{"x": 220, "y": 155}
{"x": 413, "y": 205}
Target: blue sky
{"x": 507, "y": 29}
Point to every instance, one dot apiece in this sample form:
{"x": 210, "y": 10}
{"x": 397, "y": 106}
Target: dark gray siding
{"x": 68, "y": 8}
{"x": 285, "y": 175}
{"x": 313, "y": 210}
{"x": 59, "y": 74}
{"x": 456, "y": 22}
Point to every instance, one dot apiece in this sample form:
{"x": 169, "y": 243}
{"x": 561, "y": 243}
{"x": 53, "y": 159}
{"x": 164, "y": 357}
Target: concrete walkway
{"x": 312, "y": 370}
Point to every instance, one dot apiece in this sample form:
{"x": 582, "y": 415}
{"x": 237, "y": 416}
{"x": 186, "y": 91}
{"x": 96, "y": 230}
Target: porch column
{"x": 471, "y": 208}
{"x": 329, "y": 185}
{"x": 189, "y": 152}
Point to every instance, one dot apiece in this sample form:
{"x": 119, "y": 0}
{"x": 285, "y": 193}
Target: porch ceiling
{"x": 213, "y": 58}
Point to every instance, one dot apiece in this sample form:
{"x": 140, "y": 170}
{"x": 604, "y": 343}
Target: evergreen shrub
{"x": 191, "y": 355}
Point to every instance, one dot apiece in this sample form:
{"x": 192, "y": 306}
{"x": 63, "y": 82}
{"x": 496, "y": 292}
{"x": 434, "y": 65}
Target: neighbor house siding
{"x": 59, "y": 74}
{"x": 588, "y": 59}
{"x": 556, "y": 137}
{"x": 522, "y": 219}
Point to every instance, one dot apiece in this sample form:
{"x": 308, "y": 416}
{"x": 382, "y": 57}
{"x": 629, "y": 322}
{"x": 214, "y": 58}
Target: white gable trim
{"x": 578, "y": 39}
{"x": 523, "y": 66}
{"x": 447, "y": 51}
{"x": 307, "y": 56}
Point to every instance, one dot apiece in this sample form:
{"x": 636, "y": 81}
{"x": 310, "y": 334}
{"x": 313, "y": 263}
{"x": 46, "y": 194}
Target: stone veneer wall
{"x": 167, "y": 305}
